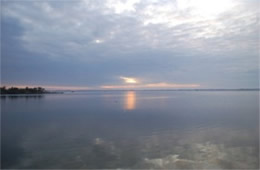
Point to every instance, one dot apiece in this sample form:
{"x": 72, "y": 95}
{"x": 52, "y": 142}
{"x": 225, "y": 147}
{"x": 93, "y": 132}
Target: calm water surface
{"x": 131, "y": 129}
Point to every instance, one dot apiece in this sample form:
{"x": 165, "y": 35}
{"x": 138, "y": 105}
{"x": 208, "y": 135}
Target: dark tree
{"x": 26, "y": 90}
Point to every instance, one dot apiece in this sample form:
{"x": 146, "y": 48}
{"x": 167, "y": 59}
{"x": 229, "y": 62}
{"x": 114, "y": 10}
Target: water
{"x": 132, "y": 129}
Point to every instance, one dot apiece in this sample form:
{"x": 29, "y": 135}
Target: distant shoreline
{"x": 39, "y": 90}
{"x": 24, "y": 91}
{"x": 255, "y": 89}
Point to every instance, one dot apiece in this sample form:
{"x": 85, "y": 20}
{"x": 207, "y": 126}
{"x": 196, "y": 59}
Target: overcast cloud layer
{"x": 92, "y": 43}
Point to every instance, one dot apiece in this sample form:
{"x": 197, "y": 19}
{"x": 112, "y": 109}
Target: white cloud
{"x": 119, "y": 6}
{"x": 153, "y": 25}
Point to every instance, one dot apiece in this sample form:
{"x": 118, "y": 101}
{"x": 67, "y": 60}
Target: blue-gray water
{"x": 132, "y": 129}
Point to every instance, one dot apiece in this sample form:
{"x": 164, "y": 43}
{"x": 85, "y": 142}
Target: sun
{"x": 129, "y": 80}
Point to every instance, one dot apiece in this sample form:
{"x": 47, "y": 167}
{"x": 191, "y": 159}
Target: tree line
{"x": 26, "y": 90}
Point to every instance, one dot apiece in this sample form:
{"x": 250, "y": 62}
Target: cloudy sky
{"x": 81, "y": 44}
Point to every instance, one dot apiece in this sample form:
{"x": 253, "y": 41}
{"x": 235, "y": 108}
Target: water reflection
{"x": 188, "y": 131}
{"x": 130, "y": 100}
{"x": 37, "y": 96}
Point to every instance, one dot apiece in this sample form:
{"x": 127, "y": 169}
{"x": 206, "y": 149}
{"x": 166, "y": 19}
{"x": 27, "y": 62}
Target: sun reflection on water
{"x": 130, "y": 100}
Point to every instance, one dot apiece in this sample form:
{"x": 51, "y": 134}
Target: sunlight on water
{"x": 130, "y": 100}
{"x": 169, "y": 130}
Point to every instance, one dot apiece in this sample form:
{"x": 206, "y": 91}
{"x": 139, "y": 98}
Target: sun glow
{"x": 161, "y": 85}
{"x": 206, "y": 7}
{"x": 130, "y": 100}
{"x": 98, "y": 41}
{"x": 129, "y": 80}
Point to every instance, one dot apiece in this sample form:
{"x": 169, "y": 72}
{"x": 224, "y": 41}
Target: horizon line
{"x": 80, "y": 88}
{"x": 147, "y": 89}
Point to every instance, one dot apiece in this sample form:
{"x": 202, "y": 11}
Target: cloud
{"x": 94, "y": 42}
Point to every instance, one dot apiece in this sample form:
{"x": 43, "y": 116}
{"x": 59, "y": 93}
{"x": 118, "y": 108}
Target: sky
{"x": 137, "y": 44}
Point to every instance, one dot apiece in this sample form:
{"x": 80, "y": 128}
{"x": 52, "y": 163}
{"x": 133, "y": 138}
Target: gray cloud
{"x": 92, "y": 43}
